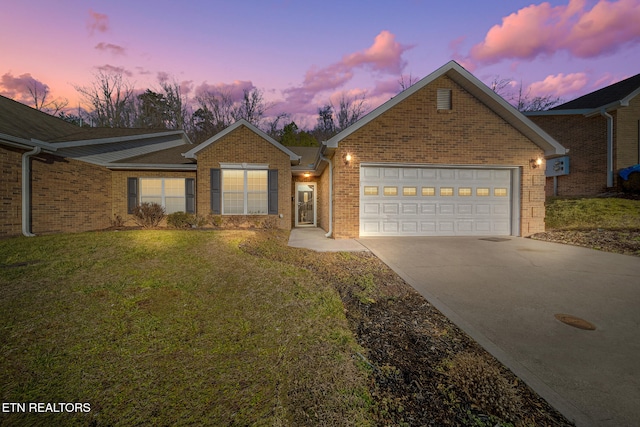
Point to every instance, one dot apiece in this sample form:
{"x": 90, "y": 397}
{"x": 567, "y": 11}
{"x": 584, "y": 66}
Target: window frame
{"x": 162, "y": 195}
{"x": 245, "y": 192}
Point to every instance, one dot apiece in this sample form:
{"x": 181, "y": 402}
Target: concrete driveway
{"x": 505, "y": 294}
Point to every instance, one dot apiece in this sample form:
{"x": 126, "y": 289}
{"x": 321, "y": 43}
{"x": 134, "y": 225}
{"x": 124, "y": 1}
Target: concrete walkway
{"x": 314, "y": 238}
{"x": 505, "y": 294}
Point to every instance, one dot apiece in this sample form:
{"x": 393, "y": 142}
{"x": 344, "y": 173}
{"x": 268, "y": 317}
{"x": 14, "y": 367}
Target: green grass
{"x": 172, "y": 328}
{"x": 603, "y": 213}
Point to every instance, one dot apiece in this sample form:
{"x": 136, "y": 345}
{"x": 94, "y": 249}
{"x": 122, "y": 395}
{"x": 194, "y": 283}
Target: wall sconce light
{"x": 347, "y": 159}
{"x": 307, "y": 174}
{"x": 535, "y": 163}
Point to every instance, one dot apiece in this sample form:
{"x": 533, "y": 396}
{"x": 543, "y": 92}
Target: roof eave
{"x": 150, "y": 166}
{"x": 17, "y": 142}
{"x": 192, "y": 154}
{"x": 111, "y": 140}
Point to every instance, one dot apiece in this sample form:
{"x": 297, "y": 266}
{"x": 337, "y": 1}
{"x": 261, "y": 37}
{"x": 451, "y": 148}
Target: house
{"x": 445, "y": 157}
{"x": 601, "y": 131}
{"x": 58, "y": 177}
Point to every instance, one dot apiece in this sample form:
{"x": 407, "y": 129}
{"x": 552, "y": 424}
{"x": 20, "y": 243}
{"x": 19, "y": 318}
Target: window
{"x": 370, "y": 190}
{"x": 244, "y": 192}
{"x": 409, "y": 191}
{"x": 169, "y": 193}
{"x": 464, "y": 191}
{"x": 390, "y": 191}
{"x": 482, "y": 192}
{"x": 428, "y": 191}
{"x": 446, "y": 191}
{"x": 444, "y": 99}
{"x": 500, "y": 192}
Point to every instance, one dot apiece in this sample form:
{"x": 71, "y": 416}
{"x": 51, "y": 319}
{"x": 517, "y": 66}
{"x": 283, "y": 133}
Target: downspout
{"x": 330, "y": 232}
{"x": 26, "y": 191}
{"x": 609, "y": 118}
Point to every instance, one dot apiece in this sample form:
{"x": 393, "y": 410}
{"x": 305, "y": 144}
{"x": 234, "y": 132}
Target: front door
{"x": 305, "y": 204}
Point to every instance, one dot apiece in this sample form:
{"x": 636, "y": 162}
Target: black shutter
{"x": 215, "y": 192}
{"x": 190, "y": 195}
{"x": 273, "y": 191}
{"x": 132, "y": 194}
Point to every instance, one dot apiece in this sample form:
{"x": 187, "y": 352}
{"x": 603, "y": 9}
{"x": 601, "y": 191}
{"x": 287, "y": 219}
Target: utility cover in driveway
{"x": 435, "y": 201}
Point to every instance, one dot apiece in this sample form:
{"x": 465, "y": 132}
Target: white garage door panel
{"x": 435, "y": 201}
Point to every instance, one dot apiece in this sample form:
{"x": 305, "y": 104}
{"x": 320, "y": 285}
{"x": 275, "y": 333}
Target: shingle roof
{"x": 171, "y": 155}
{"x": 605, "y": 96}
{"x": 22, "y": 121}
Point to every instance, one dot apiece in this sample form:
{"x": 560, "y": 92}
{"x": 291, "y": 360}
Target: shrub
{"x": 185, "y": 220}
{"x": 117, "y": 221}
{"x": 148, "y": 215}
{"x": 484, "y": 386}
{"x": 179, "y": 220}
{"x": 215, "y": 220}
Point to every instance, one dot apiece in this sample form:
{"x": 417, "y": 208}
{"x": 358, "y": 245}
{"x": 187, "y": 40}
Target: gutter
{"x": 609, "y": 118}
{"x": 26, "y": 190}
{"x": 330, "y": 232}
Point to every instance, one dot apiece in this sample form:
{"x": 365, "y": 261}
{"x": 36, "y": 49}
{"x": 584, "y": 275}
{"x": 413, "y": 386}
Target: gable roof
{"x": 615, "y": 95}
{"x": 470, "y": 83}
{"x": 192, "y": 154}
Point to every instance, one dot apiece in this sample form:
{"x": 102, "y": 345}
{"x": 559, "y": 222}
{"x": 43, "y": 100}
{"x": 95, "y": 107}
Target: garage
{"x": 438, "y": 201}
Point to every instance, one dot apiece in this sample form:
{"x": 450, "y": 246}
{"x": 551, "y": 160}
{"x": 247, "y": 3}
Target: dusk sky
{"x": 303, "y": 54}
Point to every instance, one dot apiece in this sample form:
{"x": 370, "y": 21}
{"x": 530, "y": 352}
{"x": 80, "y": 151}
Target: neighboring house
{"x": 445, "y": 157}
{"x": 601, "y": 131}
{"x": 58, "y": 177}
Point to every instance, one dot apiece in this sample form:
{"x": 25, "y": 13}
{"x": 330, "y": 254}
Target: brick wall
{"x": 69, "y": 195}
{"x": 245, "y": 146}
{"x": 627, "y": 135}
{"x": 10, "y": 191}
{"x": 415, "y": 132}
{"x": 119, "y": 188}
{"x": 586, "y": 139}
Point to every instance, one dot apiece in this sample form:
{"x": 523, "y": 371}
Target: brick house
{"x": 445, "y": 157}
{"x": 601, "y": 131}
{"x": 58, "y": 177}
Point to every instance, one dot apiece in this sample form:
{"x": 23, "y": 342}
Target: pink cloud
{"x": 545, "y": 30}
{"x": 384, "y": 55}
{"x": 559, "y": 85}
{"x": 97, "y": 22}
{"x": 604, "y": 28}
{"x": 20, "y": 87}
{"x": 112, "y": 69}
{"x": 112, "y": 48}
{"x": 235, "y": 90}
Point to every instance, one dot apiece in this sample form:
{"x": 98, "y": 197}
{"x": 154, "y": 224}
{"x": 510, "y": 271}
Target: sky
{"x": 304, "y": 54}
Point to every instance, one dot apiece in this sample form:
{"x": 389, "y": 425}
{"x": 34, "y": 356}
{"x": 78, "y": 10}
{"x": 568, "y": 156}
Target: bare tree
{"x": 176, "y": 112}
{"x": 522, "y": 101}
{"x": 216, "y": 110}
{"x": 111, "y": 99}
{"x": 39, "y": 93}
{"x": 350, "y": 110}
{"x": 251, "y": 107}
{"x": 406, "y": 83}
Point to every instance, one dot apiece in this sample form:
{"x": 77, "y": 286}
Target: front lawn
{"x": 234, "y": 328}
{"x": 172, "y": 328}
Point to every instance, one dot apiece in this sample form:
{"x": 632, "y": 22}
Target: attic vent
{"x": 444, "y": 99}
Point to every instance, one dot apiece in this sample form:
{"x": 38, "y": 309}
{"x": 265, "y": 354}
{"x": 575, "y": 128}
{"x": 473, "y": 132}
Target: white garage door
{"x": 430, "y": 201}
